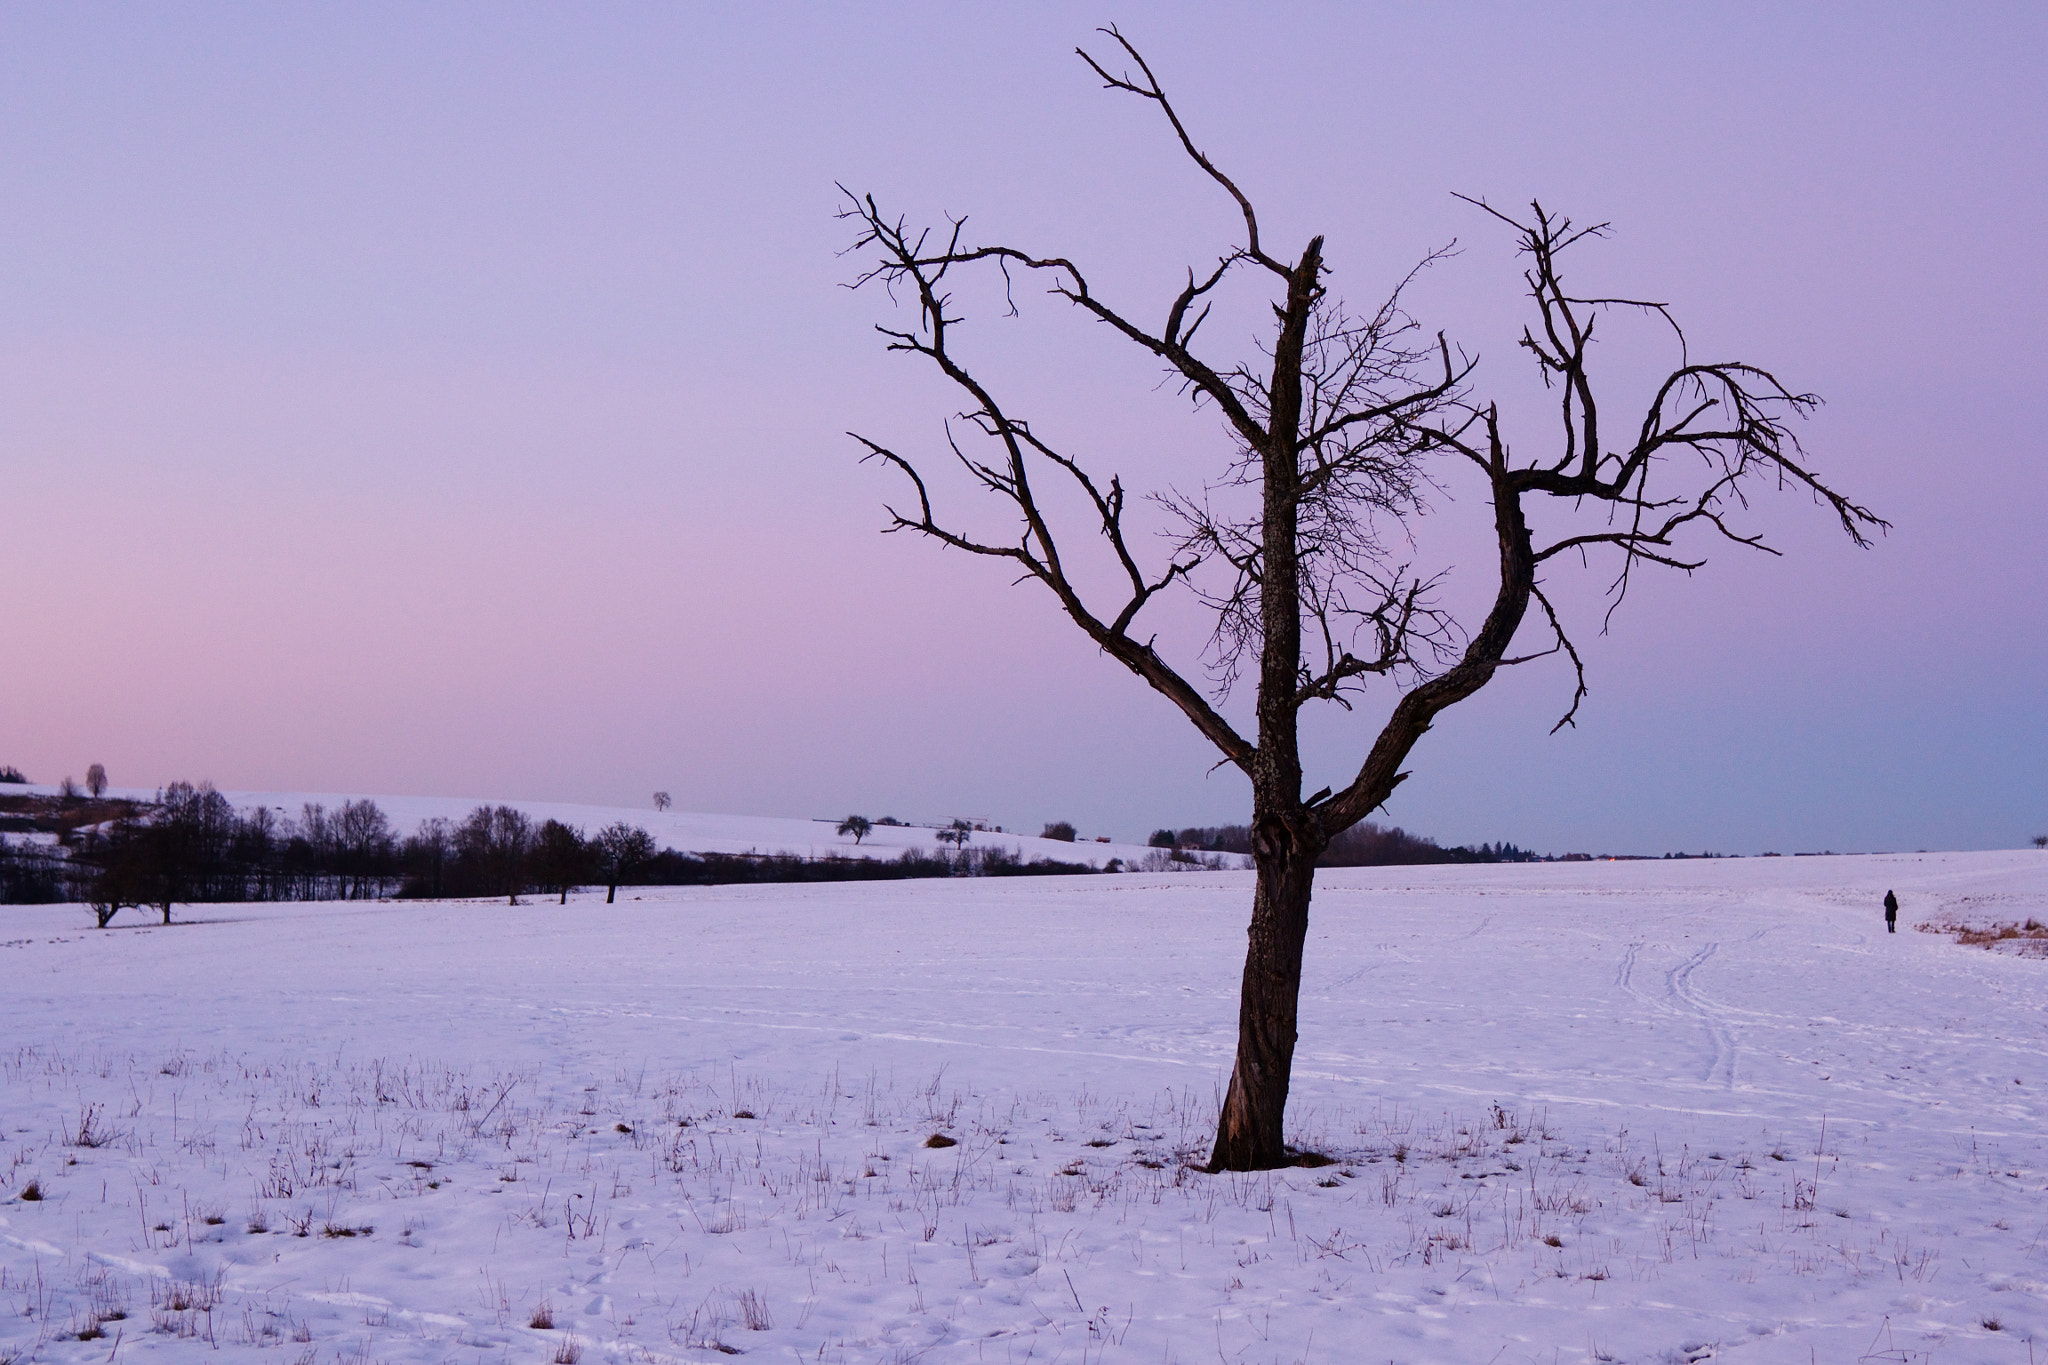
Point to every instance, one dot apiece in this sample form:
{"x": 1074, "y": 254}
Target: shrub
{"x": 1060, "y": 830}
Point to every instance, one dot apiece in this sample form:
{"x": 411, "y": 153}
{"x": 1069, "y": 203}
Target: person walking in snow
{"x": 1891, "y": 913}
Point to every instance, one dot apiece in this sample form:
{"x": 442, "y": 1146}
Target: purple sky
{"x": 449, "y": 399}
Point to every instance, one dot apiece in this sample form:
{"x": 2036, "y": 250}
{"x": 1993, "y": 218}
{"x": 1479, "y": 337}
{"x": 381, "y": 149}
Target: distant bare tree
{"x": 121, "y": 876}
{"x": 96, "y": 781}
{"x": 661, "y": 801}
{"x": 363, "y": 846}
{"x": 561, "y": 858}
{"x": 256, "y": 847}
{"x": 856, "y": 825}
{"x": 427, "y": 852}
{"x": 495, "y": 843}
{"x": 1060, "y": 830}
{"x": 176, "y": 852}
{"x": 309, "y": 851}
{"x": 621, "y": 849}
{"x": 2041, "y": 841}
{"x": 1338, "y": 428}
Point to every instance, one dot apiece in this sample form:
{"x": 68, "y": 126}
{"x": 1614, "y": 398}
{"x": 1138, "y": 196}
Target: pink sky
{"x": 451, "y": 400}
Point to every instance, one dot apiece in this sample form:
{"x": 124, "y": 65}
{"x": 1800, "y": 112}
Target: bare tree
{"x": 96, "y": 780}
{"x": 493, "y": 845}
{"x": 622, "y": 850}
{"x": 561, "y": 858}
{"x": 256, "y": 840}
{"x": 661, "y": 801}
{"x": 856, "y": 825}
{"x": 1339, "y": 426}
{"x": 363, "y": 846}
{"x": 428, "y": 851}
{"x": 178, "y": 852}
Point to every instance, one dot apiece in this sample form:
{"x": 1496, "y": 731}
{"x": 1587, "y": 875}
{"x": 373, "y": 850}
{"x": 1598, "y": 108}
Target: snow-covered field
{"x": 1620, "y": 1111}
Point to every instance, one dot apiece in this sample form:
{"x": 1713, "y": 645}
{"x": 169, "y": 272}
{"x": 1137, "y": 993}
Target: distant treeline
{"x": 191, "y": 846}
{"x": 1363, "y": 845}
{"x": 718, "y": 869}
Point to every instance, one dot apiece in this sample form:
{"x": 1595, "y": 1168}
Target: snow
{"x": 1646, "y": 1112}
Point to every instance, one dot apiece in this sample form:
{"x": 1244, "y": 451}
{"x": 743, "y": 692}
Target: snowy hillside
{"x": 1641, "y": 1112}
{"x": 683, "y": 830}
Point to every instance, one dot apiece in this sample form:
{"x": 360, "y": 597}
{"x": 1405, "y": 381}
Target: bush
{"x": 1060, "y": 830}
{"x": 10, "y": 773}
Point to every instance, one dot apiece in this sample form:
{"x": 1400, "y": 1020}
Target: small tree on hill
{"x": 661, "y": 801}
{"x": 856, "y": 825}
{"x": 621, "y": 850}
{"x": 1338, "y": 427}
{"x": 1060, "y": 830}
{"x": 96, "y": 781}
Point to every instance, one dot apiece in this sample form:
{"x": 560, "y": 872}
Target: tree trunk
{"x": 1249, "y": 1133}
{"x": 611, "y": 890}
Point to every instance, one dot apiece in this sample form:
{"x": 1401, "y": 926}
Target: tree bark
{"x": 1249, "y": 1132}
